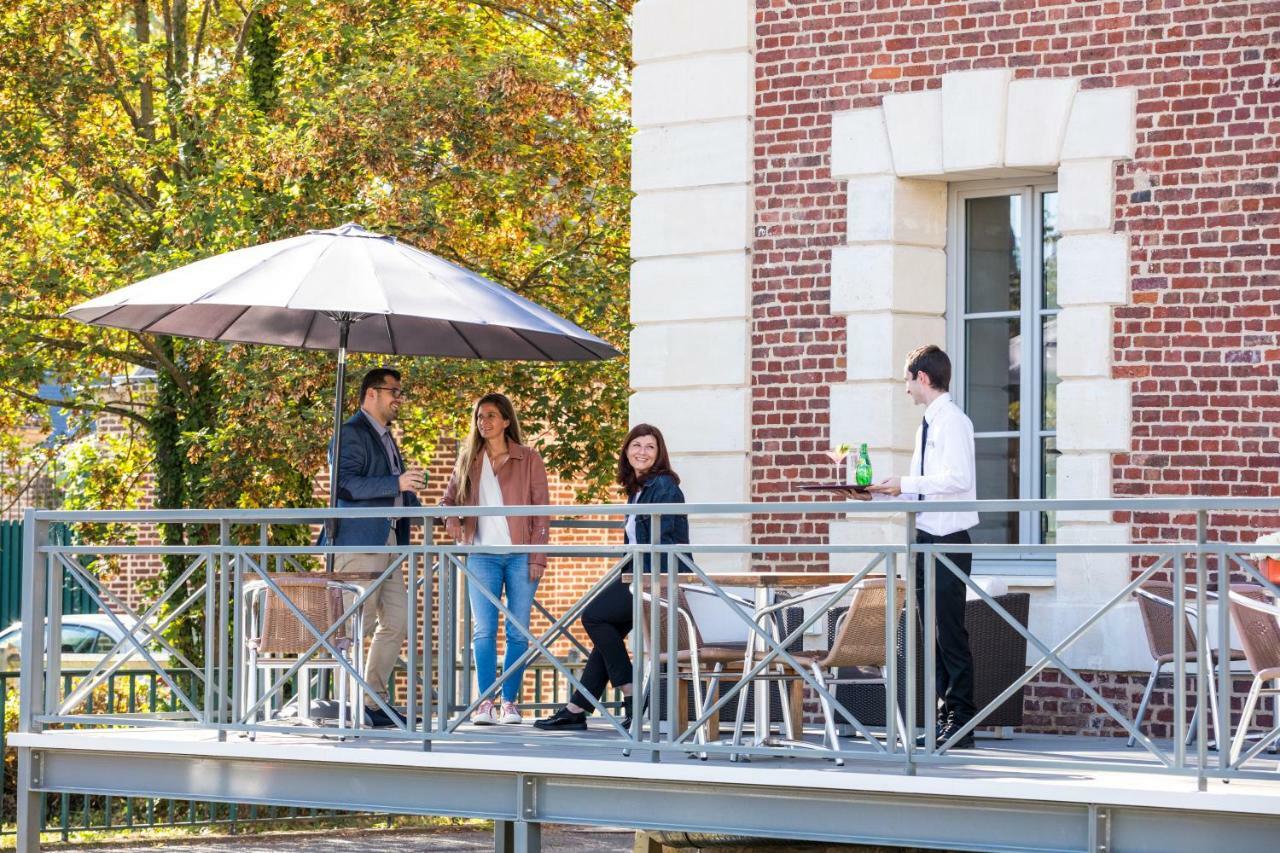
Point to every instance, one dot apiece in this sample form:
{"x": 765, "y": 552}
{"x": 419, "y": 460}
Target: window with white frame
{"x": 1002, "y": 315}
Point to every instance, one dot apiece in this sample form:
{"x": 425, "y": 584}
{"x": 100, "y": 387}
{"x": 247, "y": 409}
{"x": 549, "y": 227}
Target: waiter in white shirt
{"x": 942, "y": 469}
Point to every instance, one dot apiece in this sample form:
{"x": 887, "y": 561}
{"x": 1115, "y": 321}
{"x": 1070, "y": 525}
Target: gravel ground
{"x": 555, "y": 839}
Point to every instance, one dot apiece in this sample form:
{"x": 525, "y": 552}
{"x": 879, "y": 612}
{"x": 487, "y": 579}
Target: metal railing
{"x": 438, "y": 678}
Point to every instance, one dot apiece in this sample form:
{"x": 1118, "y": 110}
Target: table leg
{"x": 761, "y": 712}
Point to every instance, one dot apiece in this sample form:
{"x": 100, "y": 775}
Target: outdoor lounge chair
{"x": 858, "y": 644}
{"x": 1254, "y": 613}
{"x": 694, "y": 656}
{"x": 275, "y": 639}
{"x": 1156, "y": 604}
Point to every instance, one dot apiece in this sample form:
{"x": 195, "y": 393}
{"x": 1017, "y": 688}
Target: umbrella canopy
{"x": 298, "y": 292}
{"x": 344, "y": 289}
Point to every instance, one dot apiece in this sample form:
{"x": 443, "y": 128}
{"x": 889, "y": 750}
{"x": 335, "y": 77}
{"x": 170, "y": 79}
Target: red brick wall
{"x": 1201, "y": 339}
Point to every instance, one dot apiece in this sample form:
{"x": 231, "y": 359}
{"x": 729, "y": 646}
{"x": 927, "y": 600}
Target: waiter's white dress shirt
{"x": 949, "y": 468}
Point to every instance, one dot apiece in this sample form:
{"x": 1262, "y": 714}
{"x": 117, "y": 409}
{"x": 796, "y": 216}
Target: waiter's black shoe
{"x": 954, "y": 726}
{"x": 563, "y": 720}
{"x": 939, "y": 734}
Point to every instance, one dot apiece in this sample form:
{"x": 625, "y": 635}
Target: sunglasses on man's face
{"x": 394, "y": 392}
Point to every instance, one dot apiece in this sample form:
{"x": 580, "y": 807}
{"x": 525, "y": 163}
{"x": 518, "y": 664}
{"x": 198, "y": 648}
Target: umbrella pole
{"x": 344, "y": 328}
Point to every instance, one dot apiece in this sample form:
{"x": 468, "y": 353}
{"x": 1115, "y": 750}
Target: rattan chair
{"x": 275, "y": 639}
{"x": 859, "y": 645}
{"x": 1254, "y": 613}
{"x": 1156, "y": 604}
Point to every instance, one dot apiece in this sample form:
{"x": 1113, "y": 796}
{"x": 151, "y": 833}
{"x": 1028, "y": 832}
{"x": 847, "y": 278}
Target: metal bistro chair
{"x": 1156, "y": 604}
{"x": 859, "y": 644}
{"x": 275, "y": 639}
{"x": 693, "y": 655}
{"x": 1254, "y": 614}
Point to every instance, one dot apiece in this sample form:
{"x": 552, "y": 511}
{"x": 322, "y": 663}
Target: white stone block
{"x": 883, "y": 529}
{"x": 860, "y": 144}
{"x": 705, "y": 420}
{"x": 691, "y": 222}
{"x": 691, "y": 155}
{"x": 1086, "y": 195}
{"x": 1084, "y": 342}
{"x": 1081, "y": 577}
{"x": 1093, "y": 269}
{"x": 1037, "y": 121}
{"x": 888, "y": 277}
{"x": 679, "y": 355}
{"x": 721, "y": 530}
{"x": 1071, "y": 533}
{"x": 877, "y": 344}
{"x": 713, "y": 478}
{"x": 913, "y": 121}
{"x": 665, "y": 28}
{"x": 691, "y": 287}
{"x": 1116, "y": 643}
{"x": 879, "y": 413}
{"x": 1093, "y": 415}
{"x": 1103, "y": 124}
{"x": 698, "y": 88}
{"x": 973, "y": 119}
{"x": 887, "y": 209}
{"x": 1083, "y": 476}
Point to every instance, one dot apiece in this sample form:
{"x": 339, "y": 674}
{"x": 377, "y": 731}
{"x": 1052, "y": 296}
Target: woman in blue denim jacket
{"x": 644, "y": 471}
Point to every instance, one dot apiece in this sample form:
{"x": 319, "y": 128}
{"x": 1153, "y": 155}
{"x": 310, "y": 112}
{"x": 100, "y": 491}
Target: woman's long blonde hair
{"x": 474, "y": 443}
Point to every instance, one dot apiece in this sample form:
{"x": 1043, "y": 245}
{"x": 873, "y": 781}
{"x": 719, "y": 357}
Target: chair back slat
{"x": 683, "y": 640}
{"x": 1157, "y": 619}
{"x": 860, "y": 636}
{"x": 281, "y": 633}
{"x": 1259, "y": 630}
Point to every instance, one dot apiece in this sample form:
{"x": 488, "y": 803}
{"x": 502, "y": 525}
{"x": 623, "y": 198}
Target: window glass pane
{"x": 992, "y": 356}
{"x": 997, "y": 465}
{"x": 77, "y": 639}
{"x": 993, "y": 271}
{"x": 1049, "y": 249}
{"x": 1048, "y": 488}
{"x": 1049, "y": 372}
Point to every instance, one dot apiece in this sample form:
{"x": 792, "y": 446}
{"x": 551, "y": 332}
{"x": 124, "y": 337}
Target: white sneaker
{"x": 511, "y": 714}
{"x": 484, "y": 715}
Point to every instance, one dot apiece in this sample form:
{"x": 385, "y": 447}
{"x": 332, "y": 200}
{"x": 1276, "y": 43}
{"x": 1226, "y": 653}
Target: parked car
{"x": 86, "y": 637}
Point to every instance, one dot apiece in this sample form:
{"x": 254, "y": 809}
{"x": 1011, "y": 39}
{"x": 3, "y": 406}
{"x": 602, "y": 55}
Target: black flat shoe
{"x": 563, "y": 720}
{"x": 380, "y": 719}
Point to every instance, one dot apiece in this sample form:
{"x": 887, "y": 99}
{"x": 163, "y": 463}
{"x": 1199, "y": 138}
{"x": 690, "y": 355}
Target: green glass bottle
{"x": 862, "y": 473}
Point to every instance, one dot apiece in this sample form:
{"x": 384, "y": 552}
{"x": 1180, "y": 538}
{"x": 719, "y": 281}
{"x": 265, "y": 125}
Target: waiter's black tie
{"x": 924, "y": 443}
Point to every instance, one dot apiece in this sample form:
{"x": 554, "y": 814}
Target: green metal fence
{"x": 74, "y": 597}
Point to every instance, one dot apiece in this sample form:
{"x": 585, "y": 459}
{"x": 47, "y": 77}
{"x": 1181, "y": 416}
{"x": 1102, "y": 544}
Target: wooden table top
{"x": 770, "y": 578}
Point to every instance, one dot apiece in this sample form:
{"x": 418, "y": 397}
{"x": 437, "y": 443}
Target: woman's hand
{"x": 453, "y": 526}
{"x": 536, "y": 571}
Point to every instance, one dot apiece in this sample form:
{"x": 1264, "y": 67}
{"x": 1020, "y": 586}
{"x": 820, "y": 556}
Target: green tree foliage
{"x": 138, "y": 136}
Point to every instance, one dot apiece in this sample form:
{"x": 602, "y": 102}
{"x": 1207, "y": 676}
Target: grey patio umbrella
{"x": 344, "y": 289}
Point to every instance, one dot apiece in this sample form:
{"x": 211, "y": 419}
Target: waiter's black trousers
{"x": 954, "y": 662}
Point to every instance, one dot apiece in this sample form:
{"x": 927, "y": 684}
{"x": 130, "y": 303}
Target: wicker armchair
{"x": 275, "y": 639}
{"x": 857, "y": 644}
{"x": 999, "y": 657}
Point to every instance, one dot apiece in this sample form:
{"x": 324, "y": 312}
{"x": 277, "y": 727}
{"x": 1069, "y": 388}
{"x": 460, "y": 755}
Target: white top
{"x": 491, "y": 529}
{"x": 949, "y": 472}
{"x": 630, "y": 524}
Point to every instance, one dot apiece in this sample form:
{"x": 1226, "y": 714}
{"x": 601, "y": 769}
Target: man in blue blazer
{"x": 371, "y": 472}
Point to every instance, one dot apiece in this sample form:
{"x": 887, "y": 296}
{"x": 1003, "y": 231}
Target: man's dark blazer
{"x": 365, "y": 479}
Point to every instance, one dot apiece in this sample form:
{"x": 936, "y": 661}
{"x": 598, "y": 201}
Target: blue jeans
{"x": 496, "y": 571}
